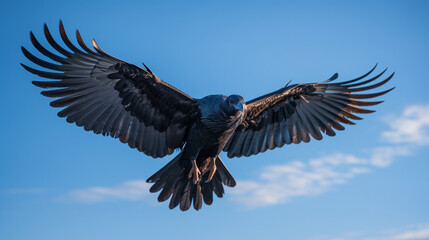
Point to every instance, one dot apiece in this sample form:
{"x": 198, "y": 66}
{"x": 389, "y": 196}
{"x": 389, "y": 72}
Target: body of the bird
{"x": 196, "y": 166}
{"x": 219, "y": 117}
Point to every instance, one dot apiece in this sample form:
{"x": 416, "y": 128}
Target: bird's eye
{"x": 230, "y": 101}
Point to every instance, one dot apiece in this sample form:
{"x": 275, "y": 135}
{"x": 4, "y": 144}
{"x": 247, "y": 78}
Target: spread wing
{"x": 111, "y": 97}
{"x": 293, "y": 113}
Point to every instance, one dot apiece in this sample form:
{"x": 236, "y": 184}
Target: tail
{"x": 173, "y": 180}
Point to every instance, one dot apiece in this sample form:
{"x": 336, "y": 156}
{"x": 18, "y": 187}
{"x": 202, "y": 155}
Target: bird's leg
{"x": 212, "y": 168}
{"x": 195, "y": 172}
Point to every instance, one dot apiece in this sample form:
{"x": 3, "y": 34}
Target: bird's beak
{"x": 239, "y": 106}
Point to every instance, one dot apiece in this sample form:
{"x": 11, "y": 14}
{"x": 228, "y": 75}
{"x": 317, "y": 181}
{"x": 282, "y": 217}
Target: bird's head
{"x": 233, "y": 104}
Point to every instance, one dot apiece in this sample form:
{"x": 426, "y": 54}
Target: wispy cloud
{"x": 280, "y": 183}
{"x": 411, "y": 127}
{"x": 130, "y": 191}
{"x": 413, "y": 235}
{"x": 411, "y": 232}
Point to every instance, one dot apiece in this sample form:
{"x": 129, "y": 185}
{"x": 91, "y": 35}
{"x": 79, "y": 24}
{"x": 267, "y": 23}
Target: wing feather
{"x": 294, "y": 113}
{"x": 112, "y": 97}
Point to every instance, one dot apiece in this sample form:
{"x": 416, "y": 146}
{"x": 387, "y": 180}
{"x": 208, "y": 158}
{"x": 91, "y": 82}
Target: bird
{"x": 112, "y": 97}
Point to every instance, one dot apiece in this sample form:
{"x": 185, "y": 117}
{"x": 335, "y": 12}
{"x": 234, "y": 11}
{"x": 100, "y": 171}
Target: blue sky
{"x": 369, "y": 182}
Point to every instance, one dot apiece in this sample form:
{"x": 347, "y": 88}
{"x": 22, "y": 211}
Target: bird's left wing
{"x": 293, "y": 113}
{"x": 109, "y": 96}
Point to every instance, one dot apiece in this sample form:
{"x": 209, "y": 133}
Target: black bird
{"x": 114, "y": 98}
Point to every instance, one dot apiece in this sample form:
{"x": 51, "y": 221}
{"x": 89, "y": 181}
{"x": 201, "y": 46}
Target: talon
{"x": 195, "y": 172}
{"x": 212, "y": 168}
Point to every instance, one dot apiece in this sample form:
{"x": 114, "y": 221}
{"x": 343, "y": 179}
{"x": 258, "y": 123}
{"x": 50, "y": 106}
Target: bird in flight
{"x": 109, "y": 96}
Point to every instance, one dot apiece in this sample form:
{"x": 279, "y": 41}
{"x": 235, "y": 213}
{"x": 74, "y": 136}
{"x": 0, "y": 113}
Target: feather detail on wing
{"x": 294, "y": 113}
{"x": 112, "y": 97}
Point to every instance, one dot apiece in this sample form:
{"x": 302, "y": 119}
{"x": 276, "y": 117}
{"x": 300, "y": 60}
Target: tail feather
{"x": 175, "y": 199}
{"x": 217, "y": 186}
{"x": 225, "y": 176}
{"x": 174, "y": 182}
{"x": 186, "y": 200}
{"x": 207, "y": 191}
{"x": 198, "y": 197}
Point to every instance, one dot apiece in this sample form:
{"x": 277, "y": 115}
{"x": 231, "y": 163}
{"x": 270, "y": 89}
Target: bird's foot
{"x": 195, "y": 173}
{"x": 210, "y": 167}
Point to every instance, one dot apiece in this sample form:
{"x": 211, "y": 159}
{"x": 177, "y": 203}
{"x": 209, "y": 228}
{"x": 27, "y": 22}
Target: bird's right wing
{"x": 293, "y": 113}
{"x": 109, "y": 96}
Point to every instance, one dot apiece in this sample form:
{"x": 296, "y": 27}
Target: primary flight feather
{"x": 109, "y": 96}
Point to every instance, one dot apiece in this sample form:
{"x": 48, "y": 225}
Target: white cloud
{"x": 413, "y": 235}
{"x": 411, "y": 232}
{"x": 384, "y": 156}
{"x": 130, "y": 190}
{"x": 276, "y": 184}
{"x": 280, "y": 183}
{"x": 411, "y": 127}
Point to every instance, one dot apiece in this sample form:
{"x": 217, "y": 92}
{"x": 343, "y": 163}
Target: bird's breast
{"x": 220, "y": 123}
